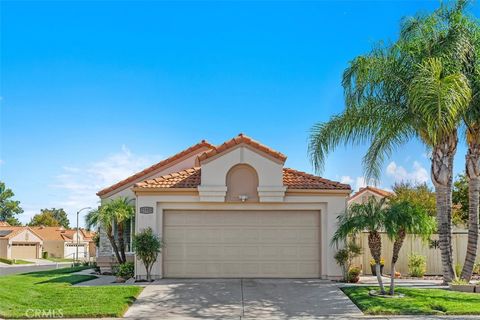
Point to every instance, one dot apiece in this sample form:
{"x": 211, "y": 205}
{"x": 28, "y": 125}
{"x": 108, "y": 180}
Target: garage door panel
{"x": 241, "y": 244}
{"x": 24, "y": 251}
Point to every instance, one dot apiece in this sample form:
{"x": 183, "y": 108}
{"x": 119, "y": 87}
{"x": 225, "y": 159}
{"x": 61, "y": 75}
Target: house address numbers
{"x": 146, "y": 210}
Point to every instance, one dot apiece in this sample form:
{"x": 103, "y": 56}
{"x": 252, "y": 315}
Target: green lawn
{"x": 60, "y": 259}
{"x": 416, "y": 301}
{"x": 47, "y": 293}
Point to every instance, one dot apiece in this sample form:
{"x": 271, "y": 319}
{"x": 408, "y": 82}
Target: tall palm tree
{"x": 370, "y": 217}
{"x": 402, "y": 218}
{"x": 470, "y": 28}
{"x": 114, "y": 212}
{"x": 408, "y": 90}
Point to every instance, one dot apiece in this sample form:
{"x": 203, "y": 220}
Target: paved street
{"x": 6, "y": 269}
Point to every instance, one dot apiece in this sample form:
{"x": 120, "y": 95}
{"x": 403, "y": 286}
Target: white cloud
{"x": 418, "y": 174}
{"x": 356, "y": 183}
{"x": 76, "y": 187}
{"x": 346, "y": 179}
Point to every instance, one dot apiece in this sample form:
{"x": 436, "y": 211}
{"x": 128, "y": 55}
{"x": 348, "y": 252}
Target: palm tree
{"x": 471, "y": 29}
{"x": 402, "y": 218}
{"x": 114, "y": 212}
{"x": 370, "y": 217}
{"x": 123, "y": 212}
{"x": 409, "y": 90}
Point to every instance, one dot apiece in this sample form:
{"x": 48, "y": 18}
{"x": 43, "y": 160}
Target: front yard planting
{"x": 416, "y": 301}
{"x": 38, "y": 294}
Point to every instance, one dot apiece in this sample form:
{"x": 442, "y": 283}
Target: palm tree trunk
{"x": 442, "y": 172}
{"x": 397, "y": 245}
{"x": 473, "y": 174}
{"x": 375, "y": 245}
{"x": 121, "y": 242}
{"x": 114, "y": 246}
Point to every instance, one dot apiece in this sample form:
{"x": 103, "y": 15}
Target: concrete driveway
{"x": 241, "y": 299}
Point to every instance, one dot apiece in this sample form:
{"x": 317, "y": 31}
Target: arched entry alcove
{"x": 242, "y": 184}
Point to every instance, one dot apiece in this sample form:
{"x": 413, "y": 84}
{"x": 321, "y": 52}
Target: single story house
{"x": 363, "y": 194}
{"x": 59, "y": 242}
{"x": 233, "y": 211}
{"x": 19, "y": 242}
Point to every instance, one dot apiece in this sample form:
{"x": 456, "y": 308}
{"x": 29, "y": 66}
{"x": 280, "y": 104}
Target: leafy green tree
{"x": 413, "y": 89}
{"x": 406, "y": 217}
{"x": 116, "y": 212}
{"x": 420, "y": 194}
{"x": 8, "y": 207}
{"x": 147, "y": 246}
{"x": 370, "y": 217}
{"x": 44, "y": 219}
{"x": 60, "y": 215}
{"x": 460, "y": 200}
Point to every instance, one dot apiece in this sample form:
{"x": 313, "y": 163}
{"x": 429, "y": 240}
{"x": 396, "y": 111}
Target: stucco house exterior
{"x": 232, "y": 211}
{"x": 19, "y": 243}
{"x": 59, "y": 242}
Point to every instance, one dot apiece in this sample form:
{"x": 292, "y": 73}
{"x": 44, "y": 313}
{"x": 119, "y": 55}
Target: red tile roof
{"x": 159, "y": 165}
{"x": 295, "y": 179}
{"x": 15, "y": 230}
{"x": 60, "y": 233}
{"x": 191, "y": 178}
{"x": 241, "y": 138}
{"x": 380, "y": 192}
{"x": 4, "y": 224}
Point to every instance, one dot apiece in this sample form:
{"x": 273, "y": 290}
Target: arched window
{"x": 242, "y": 183}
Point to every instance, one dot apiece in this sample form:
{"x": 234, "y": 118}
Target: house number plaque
{"x": 146, "y": 210}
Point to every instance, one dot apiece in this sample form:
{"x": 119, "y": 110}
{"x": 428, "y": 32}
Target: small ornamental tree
{"x": 147, "y": 246}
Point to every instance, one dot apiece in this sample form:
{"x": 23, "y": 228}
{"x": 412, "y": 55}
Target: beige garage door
{"x": 247, "y": 244}
{"x": 24, "y": 251}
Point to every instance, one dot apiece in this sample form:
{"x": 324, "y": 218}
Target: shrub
{"x": 476, "y": 268}
{"x": 345, "y": 256}
{"x": 459, "y": 281}
{"x": 417, "y": 265}
{"x": 458, "y": 269}
{"x": 353, "y": 274}
{"x": 382, "y": 262}
{"x": 147, "y": 246}
{"x": 126, "y": 270}
{"x": 7, "y": 261}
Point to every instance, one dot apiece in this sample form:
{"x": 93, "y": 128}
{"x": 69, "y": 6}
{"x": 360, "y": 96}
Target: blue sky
{"x": 94, "y": 91}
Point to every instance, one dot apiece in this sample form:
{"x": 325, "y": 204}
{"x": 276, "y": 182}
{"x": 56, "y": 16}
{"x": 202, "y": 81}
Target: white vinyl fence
{"x": 413, "y": 244}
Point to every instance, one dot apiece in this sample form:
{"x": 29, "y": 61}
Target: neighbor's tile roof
{"x": 380, "y": 192}
{"x": 157, "y": 166}
{"x": 60, "y": 233}
{"x": 16, "y": 230}
{"x": 4, "y": 224}
{"x": 241, "y": 138}
{"x": 51, "y": 233}
{"x": 292, "y": 179}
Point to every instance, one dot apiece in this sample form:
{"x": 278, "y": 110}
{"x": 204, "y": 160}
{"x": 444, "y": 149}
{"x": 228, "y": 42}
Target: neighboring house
{"x": 19, "y": 242}
{"x": 233, "y": 211}
{"x": 59, "y": 242}
{"x": 362, "y": 195}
